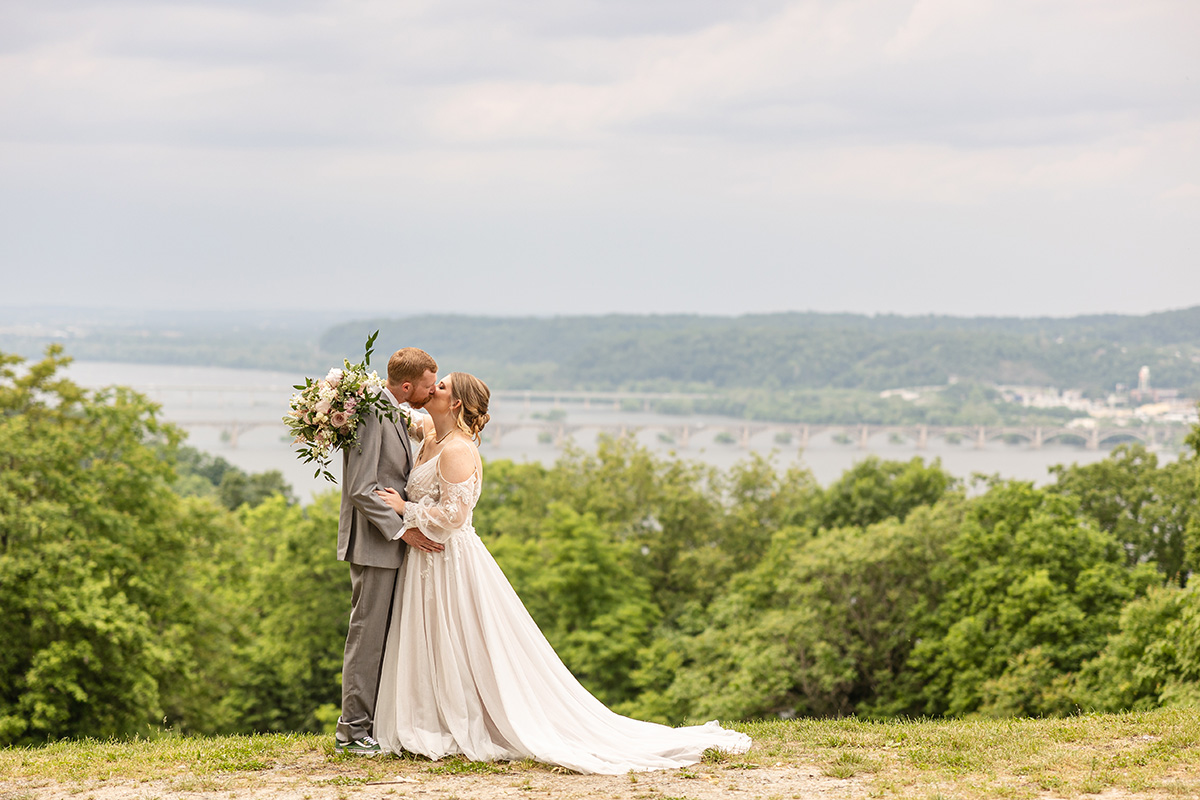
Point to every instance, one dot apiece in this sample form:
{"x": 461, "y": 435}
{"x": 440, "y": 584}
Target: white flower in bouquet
{"x": 324, "y": 414}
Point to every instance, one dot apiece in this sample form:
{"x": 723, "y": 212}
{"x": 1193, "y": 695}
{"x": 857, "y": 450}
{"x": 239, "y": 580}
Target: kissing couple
{"x": 441, "y": 656}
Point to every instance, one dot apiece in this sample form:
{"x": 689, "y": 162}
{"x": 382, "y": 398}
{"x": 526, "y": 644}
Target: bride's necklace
{"x": 439, "y": 439}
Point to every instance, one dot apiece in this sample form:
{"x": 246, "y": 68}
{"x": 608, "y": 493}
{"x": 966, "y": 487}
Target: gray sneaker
{"x": 366, "y": 746}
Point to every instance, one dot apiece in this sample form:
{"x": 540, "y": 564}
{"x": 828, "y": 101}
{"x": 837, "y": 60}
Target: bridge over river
{"x": 237, "y": 409}
{"x": 744, "y": 434}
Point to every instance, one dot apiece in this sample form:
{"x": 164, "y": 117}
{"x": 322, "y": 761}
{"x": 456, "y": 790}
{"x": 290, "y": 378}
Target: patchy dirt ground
{"x": 1107, "y": 757}
{"x": 700, "y": 783}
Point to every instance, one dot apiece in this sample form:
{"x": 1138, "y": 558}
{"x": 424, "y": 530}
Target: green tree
{"x": 1192, "y": 534}
{"x": 1031, "y": 590}
{"x": 578, "y": 585}
{"x": 205, "y": 475}
{"x": 874, "y": 490}
{"x": 821, "y": 626}
{"x": 1147, "y": 507}
{"x": 294, "y": 594}
{"x": 239, "y": 488}
{"x": 1153, "y": 660}
{"x": 664, "y": 516}
{"x": 102, "y": 621}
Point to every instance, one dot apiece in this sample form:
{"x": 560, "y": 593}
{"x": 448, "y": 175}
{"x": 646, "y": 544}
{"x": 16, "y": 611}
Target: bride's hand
{"x": 393, "y": 499}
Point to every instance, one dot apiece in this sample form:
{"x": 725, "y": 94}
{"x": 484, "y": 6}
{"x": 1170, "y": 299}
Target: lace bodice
{"x": 438, "y": 507}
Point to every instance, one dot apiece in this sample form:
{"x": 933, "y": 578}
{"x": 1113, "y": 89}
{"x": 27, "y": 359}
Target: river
{"x": 205, "y": 400}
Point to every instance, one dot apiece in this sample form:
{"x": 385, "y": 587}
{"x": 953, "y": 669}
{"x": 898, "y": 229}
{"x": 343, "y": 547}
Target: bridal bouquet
{"x": 325, "y": 413}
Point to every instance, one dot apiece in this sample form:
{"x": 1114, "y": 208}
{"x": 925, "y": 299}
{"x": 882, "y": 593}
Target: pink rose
{"x": 338, "y": 419}
{"x": 351, "y": 404}
{"x": 322, "y": 407}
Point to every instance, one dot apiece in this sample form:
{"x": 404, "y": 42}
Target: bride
{"x": 466, "y": 669}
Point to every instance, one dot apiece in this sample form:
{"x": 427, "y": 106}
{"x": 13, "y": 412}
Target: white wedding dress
{"x": 467, "y": 671}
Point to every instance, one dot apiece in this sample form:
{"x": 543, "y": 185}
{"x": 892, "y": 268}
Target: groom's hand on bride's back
{"x": 414, "y": 538}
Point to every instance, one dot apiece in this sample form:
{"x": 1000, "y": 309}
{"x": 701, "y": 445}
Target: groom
{"x": 366, "y": 531}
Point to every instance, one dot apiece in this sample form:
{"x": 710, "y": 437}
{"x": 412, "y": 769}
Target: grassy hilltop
{"x": 1154, "y": 754}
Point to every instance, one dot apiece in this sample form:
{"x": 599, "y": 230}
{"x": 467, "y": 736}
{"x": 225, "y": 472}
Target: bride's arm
{"x": 456, "y": 497}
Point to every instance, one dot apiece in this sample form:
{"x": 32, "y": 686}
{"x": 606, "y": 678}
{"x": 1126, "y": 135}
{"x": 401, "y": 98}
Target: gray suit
{"x": 366, "y": 526}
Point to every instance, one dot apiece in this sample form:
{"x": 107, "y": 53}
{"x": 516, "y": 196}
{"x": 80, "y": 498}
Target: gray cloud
{"x": 991, "y": 157}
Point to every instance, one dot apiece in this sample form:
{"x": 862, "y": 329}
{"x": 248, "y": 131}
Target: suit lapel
{"x": 402, "y": 431}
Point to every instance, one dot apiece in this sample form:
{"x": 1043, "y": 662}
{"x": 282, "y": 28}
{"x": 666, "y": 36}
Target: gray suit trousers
{"x": 371, "y": 589}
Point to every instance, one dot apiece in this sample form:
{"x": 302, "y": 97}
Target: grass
{"x": 1148, "y": 754}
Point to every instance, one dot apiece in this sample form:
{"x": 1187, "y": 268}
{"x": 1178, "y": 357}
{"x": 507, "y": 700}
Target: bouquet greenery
{"x": 326, "y": 413}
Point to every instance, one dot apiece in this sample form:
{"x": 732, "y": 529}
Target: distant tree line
{"x": 774, "y": 354}
{"x": 800, "y": 351}
{"x": 145, "y": 586}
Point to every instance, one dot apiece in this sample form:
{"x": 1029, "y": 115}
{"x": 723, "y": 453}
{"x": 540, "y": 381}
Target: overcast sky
{"x": 1003, "y": 157}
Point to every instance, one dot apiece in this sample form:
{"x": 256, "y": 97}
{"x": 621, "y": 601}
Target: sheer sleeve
{"x": 450, "y": 512}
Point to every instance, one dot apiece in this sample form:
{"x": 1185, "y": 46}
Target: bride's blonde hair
{"x": 473, "y": 396}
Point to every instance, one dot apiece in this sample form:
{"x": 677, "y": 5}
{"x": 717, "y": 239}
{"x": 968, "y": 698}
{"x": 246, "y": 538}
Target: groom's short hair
{"x": 408, "y": 365}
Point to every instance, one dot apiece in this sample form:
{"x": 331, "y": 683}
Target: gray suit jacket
{"x": 366, "y": 524}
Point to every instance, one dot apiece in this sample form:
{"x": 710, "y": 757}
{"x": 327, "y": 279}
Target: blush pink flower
{"x": 338, "y": 419}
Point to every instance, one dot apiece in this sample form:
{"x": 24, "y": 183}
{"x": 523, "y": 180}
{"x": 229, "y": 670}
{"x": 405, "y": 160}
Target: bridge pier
{"x": 864, "y": 437}
{"x": 923, "y": 437}
{"x": 981, "y": 438}
{"x": 804, "y": 437}
{"x": 744, "y": 440}
{"x": 1093, "y": 442}
{"x": 1037, "y": 438}
{"x": 683, "y": 437}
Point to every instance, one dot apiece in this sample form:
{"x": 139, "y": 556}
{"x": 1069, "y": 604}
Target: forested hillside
{"x": 770, "y": 353}
{"x": 799, "y": 351}
{"x": 144, "y": 585}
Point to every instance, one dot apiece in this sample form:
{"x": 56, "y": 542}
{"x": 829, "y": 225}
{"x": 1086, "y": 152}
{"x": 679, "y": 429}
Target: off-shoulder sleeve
{"x": 449, "y": 513}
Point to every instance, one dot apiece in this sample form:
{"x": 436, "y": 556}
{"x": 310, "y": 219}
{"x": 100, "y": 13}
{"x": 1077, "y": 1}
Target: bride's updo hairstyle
{"x": 474, "y": 395}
